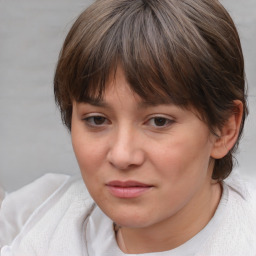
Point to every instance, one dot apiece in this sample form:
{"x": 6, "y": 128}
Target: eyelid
{"x": 170, "y": 120}
{"x": 160, "y": 116}
{"x": 92, "y": 114}
{"x": 86, "y": 118}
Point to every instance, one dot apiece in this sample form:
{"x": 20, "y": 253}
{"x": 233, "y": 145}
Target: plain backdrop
{"x": 33, "y": 140}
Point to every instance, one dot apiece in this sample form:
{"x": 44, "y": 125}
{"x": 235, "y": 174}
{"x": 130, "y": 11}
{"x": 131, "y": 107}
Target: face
{"x": 142, "y": 163}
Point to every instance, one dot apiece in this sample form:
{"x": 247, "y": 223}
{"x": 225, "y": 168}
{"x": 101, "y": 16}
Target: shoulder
{"x": 21, "y": 209}
{"x": 235, "y": 233}
{"x": 242, "y": 206}
{"x": 17, "y": 206}
{"x": 242, "y": 191}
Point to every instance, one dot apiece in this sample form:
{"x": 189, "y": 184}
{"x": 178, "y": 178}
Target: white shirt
{"x": 55, "y": 216}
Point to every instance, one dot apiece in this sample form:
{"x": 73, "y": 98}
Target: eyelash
{"x": 91, "y": 121}
{"x": 167, "y": 122}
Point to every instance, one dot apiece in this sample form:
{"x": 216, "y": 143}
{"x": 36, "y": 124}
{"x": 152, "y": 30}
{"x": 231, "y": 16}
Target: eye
{"x": 96, "y": 120}
{"x": 159, "y": 121}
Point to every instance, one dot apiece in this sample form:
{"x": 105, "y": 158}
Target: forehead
{"x": 118, "y": 88}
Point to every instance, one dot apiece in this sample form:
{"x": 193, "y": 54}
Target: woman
{"x": 153, "y": 93}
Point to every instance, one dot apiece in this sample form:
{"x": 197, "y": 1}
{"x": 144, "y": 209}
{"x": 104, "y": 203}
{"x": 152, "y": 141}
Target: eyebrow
{"x": 142, "y": 104}
{"x": 154, "y": 103}
{"x": 96, "y": 102}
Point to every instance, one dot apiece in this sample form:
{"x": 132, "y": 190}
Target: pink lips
{"x": 127, "y": 189}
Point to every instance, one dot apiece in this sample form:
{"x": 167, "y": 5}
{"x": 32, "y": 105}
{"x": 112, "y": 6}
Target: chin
{"x": 131, "y": 219}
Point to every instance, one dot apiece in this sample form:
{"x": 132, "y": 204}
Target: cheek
{"x": 85, "y": 148}
{"x": 89, "y": 155}
{"x": 90, "y": 160}
{"x": 185, "y": 156}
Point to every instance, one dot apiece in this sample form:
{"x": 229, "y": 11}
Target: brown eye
{"x": 160, "y": 121}
{"x": 95, "y": 120}
{"x": 98, "y": 120}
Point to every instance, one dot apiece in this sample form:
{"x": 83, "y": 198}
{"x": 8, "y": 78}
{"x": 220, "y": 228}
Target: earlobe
{"x": 229, "y": 132}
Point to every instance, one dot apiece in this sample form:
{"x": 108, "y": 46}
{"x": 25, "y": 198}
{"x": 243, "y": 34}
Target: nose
{"x": 126, "y": 151}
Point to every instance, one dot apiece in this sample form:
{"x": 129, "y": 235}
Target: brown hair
{"x": 186, "y": 52}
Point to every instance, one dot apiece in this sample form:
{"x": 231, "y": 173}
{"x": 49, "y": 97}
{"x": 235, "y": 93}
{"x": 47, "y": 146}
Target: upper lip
{"x": 128, "y": 183}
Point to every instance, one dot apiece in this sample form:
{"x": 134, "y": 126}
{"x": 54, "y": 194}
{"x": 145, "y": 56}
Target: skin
{"x": 163, "y": 146}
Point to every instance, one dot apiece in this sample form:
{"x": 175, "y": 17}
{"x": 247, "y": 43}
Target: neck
{"x": 175, "y": 231}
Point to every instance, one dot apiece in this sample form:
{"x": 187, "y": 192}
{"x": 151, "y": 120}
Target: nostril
{"x": 125, "y": 160}
{"x": 121, "y": 165}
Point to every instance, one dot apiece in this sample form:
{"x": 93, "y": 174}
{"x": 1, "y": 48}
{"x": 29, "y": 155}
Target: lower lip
{"x": 128, "y": 192}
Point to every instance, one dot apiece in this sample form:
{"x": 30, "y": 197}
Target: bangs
{"x": 155, "y": 64}
{"x": 187, "y": 53}
{"x": 164, "y": 48}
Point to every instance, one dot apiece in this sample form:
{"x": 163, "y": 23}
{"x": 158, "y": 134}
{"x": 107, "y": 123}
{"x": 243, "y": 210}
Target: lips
{"x": 127, "y": 189}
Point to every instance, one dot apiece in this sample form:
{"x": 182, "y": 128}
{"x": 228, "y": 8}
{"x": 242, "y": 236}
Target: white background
{"x": 32, "y": 138}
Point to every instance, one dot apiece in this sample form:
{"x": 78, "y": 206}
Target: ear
{"x": 229, "y": 132}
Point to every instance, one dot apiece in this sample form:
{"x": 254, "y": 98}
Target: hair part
{"x": 185, "y": 52}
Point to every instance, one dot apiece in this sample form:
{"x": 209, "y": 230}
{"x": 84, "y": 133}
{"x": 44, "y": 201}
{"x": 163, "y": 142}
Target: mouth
{"x": 127, "y": 189}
